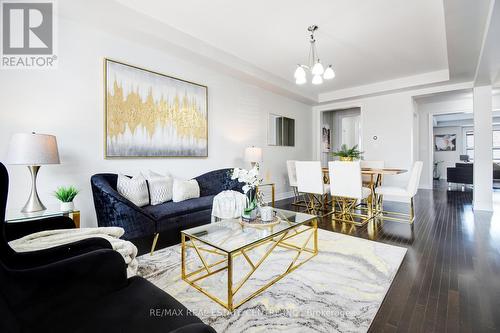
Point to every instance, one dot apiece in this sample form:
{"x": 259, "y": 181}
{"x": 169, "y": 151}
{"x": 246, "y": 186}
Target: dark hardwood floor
{"x": 449, "y": 280}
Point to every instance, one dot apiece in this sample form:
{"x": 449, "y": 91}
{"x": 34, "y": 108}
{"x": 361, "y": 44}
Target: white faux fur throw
{"x": 50, "y": 238}
{"x": 228, "y": 204}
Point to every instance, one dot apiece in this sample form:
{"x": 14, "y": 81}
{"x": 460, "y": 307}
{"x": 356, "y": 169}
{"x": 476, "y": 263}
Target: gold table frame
{"x": 280, "y": 239}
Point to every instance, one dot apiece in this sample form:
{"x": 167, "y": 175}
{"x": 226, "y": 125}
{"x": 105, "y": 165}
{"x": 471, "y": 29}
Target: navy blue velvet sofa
{"x": 163, "y": 222}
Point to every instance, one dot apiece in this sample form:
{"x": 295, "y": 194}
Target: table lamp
{"x": 253, "y": 155}
{"x": 33, "y": 150}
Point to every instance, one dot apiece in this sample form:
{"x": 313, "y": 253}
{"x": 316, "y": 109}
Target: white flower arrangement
{"x": 250, "y": 177}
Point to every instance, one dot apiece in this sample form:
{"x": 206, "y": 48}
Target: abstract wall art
{"x": 148, "y": 114}
{"x": 445, "y": 142}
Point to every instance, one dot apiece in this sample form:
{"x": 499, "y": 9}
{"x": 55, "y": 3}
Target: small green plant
{"x": 348, "y": 153}
{"x": 66, "y": 194}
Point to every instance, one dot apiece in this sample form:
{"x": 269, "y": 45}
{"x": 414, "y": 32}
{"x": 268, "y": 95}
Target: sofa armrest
{"x": 26, "y": 260}
{"x": 113, "y": 210}
{"x": 15, "y": 230}
{"x": 33, "y": 292}
{"x": 214, "y": 182}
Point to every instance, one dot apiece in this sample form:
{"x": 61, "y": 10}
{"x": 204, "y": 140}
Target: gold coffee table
{"x": 220, "y": 259}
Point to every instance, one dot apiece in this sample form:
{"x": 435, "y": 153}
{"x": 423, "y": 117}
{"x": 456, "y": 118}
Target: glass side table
{"x": 15, "y": 215}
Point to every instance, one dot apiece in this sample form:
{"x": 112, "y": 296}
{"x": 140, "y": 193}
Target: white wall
{"x": 68, "y": 102}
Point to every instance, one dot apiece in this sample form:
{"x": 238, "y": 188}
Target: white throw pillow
{"x": 134, "y": 189}
{"x": 160, "y": 187}
{"x": 185, "y": 189}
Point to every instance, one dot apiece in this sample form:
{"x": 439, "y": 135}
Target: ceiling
{"x": 366, "y": 41}
{"x": 375, "y": 46}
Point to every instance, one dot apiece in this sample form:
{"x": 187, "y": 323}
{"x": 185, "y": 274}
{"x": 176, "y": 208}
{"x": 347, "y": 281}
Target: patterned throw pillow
{"x": 134, "y": 189}
{"x": 160, "y": 187}
{"x": 185, "y": 189}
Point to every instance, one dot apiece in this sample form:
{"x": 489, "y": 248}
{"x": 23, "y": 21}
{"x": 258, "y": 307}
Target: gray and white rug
{"x": 339, "y": 290}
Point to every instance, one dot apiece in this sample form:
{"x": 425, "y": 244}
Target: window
{"x": 469, "y": 145}
{"x": 496, "y": 145}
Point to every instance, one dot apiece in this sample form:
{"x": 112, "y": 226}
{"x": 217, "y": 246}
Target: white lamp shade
{"x": 32, "y": 149}
{"x": 317, "y": 79}
{"x": 253, "y": 154}
{"x": 317, "y": 69}
{"x": 299, "y": 72}
{"x": 300, "y": 80}
{"x": 329, "y": 73}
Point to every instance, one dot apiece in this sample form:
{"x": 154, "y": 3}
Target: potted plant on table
{"x": 66, "y": 195}
{"x": 348, "y": 154}
{"x": 252, "y": 180}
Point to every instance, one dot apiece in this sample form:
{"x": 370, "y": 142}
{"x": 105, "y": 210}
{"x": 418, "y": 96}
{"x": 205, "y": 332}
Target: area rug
{"x": 339, "y": 290}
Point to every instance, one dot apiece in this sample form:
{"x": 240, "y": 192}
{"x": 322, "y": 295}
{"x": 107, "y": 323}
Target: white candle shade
{"x": 33, "y": 149}
{"x": 253, "y": 154}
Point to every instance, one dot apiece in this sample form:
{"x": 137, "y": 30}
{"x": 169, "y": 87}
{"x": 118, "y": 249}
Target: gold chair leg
{"x": 399, "y": 217}
{"x": 155, "y": 240}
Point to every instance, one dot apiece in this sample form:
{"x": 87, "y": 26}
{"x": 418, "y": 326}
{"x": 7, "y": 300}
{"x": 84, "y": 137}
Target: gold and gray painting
{"x": 149, "y": 114}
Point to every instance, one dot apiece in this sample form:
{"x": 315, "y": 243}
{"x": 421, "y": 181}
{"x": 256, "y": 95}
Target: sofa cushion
{"x": 185, "y": 189}
{"x": 134, "y": 189}
{"x": 171, "y": 209}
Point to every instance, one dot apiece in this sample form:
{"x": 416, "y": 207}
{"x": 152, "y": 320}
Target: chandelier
{"x": 314, "y": 66}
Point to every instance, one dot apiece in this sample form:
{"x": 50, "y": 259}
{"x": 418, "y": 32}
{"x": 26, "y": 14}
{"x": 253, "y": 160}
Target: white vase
{"x": 67, "y": 206}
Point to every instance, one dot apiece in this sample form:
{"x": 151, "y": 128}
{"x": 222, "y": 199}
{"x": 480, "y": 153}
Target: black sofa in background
{"x": 141, "y": 224}
{"x": 78, "y": 287}
{"x": 463, "y": 173}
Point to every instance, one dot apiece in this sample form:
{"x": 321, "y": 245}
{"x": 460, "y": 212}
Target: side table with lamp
{"x": 34, "y": 150}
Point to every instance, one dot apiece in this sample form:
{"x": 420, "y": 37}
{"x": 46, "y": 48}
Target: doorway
{"x": 339, "y": 127}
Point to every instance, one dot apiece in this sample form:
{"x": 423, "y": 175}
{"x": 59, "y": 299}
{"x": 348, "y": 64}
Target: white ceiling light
{"x": 314, "y": 65}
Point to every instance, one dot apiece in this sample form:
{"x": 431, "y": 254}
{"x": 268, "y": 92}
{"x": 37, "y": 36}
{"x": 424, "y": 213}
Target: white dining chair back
{"x": 345, "y": 179}
{"x": 416, "y": 171}
{"x": 371, "y": 165}
{"x": 292, "y": 173}
{"x": 309, "y": 177}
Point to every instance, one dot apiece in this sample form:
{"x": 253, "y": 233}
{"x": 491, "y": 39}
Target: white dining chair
{"x": 407, "y": 193}
{"x": 292, "y": 180}
{"x": 310, "y": 182}
{"x": 346, "y": 184}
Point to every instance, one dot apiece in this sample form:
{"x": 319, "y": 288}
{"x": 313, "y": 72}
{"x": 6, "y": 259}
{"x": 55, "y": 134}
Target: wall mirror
{"x": 281, "y": 131}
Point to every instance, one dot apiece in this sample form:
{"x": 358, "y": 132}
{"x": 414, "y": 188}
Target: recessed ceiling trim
{"x": 386, "y": 86}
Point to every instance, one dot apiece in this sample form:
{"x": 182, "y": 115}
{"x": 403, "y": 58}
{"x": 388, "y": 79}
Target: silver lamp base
{"x": 33, "y": 204}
